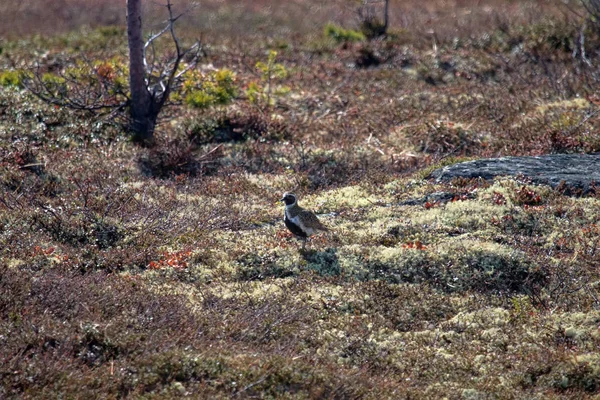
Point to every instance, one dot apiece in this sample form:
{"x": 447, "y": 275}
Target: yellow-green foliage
{"x": 114, "y": 70}
{"x": 254, "y": 92}
{"x": 266, "y": 91}
{"x": 340, "y": 34}
{"x": 90, "y": 73}
{"x": 570, "y": 104}
{"x": 55, "y": 84}
{"x": 52, "y": 79}
{"x": 200, "y": 99}
{"x": 206, "y": 90}
{"x": 271, "y": 69}
{"x": 10, "y": 78}
{"x": 470, "y": 215}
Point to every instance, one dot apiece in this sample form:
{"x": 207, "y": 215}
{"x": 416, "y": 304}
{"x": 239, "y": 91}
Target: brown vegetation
{"x": 166, "y": 271}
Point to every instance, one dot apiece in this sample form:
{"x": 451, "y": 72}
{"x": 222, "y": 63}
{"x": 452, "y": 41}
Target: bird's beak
{"x": 282, "y": 199}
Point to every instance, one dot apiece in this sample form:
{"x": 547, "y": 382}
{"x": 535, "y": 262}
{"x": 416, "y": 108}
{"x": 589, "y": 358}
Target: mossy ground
{"x": 130, "y": 272}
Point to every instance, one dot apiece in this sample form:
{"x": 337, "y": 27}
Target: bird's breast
{"x": 295, "y": 225}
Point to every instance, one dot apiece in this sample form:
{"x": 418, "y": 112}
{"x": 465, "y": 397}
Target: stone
{"x": 572, "y": 173}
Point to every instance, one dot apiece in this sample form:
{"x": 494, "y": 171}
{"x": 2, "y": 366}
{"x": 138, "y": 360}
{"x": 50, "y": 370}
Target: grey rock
{"x": 437, "y": 197}
{"x": 573, "y": 173}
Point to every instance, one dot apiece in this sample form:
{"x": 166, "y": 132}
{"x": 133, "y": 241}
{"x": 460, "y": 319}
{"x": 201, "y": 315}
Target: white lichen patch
{"x": 575, "y": 103}
{"x": 254, "y": 290}
{"x": 133, "y": 185}
{"x": 469, "y": 215}
{"x": 14, "y": 263}
{"x": 583, "y": 327}
{"x": 480, "y": 319}
{"x": 329, "y": 294}
{"x": 276, "y": 184}
{"x": 387, "y": 214}
{"x": 360, "y": 232}
{"x": 445, "y": 354}
{"x": 347, "y": 197}
{"x": 495, "y": 336}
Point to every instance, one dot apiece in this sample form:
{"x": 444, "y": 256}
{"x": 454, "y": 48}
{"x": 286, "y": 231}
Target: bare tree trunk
{"x": 386, "y": 15}
{"x": 143, "y": 117}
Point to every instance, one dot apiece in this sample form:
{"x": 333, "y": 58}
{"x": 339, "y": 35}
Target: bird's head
{"x": 289, "y": 199}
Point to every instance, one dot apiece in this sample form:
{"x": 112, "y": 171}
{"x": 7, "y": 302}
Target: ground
{"x": 163, "y": 271}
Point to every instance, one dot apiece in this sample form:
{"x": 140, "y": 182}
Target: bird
{"x": 300, "y": 222}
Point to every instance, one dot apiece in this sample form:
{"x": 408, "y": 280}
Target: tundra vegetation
{"x": 165, "y": 271}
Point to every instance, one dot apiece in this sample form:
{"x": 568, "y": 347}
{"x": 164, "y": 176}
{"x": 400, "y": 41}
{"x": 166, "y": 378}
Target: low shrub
{"x": 341, "y": 35}
{"x": 207, "y": 90}
{"x": 234, "y": 126}
{"x": 171, "y": 157}
{"x": 10, "y": 78}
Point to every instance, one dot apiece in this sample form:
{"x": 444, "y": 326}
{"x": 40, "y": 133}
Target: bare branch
{"x": 150, "y": 42}
{"x": 156, "y": 36}
{"x": 95, "y": 95}
{"x": 168, "y": 85}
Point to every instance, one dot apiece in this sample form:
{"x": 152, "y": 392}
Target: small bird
{"x": 299, "y": 221}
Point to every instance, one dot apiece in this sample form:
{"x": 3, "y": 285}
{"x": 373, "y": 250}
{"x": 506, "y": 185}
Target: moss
{"x": 457, "y": 266}
{"x": 468, "y": 215}
{"x": 489, "y": 317}
{"x": 580, "y": 372}
{"x": 323, "y": 262}
{"x": 353, "y": 197}
{"x": 255, "y": 267}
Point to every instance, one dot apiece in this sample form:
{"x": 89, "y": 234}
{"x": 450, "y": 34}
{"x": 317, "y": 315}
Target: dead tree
{"x": 150, "y": 86}
{"x": 386, "y": 16}
{"x": 151, "y": 81}
{"x": 371, "y": 25}
{"x": 142, "y": 113}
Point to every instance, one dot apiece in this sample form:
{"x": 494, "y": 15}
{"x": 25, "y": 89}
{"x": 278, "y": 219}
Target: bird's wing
{"x": 312, "y": 221}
